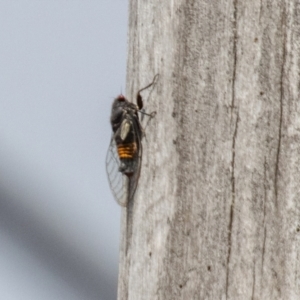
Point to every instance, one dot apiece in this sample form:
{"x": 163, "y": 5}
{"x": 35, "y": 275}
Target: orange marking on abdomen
{"x": 127, "y": 150}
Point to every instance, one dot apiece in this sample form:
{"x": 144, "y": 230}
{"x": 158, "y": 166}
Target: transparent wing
{"x": 122, "y": 186}
{"x": 119, "y": 183}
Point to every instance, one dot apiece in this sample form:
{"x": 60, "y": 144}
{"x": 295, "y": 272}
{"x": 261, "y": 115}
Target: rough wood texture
{"x": 217, "y": 211}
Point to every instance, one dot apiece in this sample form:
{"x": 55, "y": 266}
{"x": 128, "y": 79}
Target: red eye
{"x": 121, "y": 98}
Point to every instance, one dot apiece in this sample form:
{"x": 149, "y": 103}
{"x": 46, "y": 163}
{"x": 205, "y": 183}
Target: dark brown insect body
{"x": 124, "y": 156}
{"x": 127, "y": 133}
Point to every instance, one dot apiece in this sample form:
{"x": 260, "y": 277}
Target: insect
{"x": 124, "y": 155}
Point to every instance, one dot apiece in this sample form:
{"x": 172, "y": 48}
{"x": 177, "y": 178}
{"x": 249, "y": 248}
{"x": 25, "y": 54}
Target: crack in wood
{"x": 234, "y": 54}
{"x": 281, "y": 105}
{"x": 254, "y": 279}
{"x": 232, "y": 203}
{"x": 233, "y": 143}
{"x": 264, "y": 216}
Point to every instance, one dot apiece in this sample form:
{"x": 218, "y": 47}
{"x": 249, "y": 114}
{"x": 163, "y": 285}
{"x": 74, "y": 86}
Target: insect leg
{"x": 139, "y": 99}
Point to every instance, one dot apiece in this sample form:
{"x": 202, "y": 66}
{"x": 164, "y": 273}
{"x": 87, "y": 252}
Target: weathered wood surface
{"x": 217, "y": 211}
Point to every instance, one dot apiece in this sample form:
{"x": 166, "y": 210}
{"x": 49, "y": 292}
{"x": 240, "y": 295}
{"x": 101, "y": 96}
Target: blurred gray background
{"x": 61, "y": 64}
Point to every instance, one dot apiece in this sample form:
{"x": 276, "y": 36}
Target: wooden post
{"x": 217, "y": 210}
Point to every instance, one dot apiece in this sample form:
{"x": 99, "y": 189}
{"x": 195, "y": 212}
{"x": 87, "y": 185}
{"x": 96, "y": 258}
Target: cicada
{"x": 124, "y": 155}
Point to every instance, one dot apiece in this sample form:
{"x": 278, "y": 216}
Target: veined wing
{"x": 119, "y": 183}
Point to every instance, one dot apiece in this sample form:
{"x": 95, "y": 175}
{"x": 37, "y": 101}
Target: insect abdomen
{"x": 127, "y": 150}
